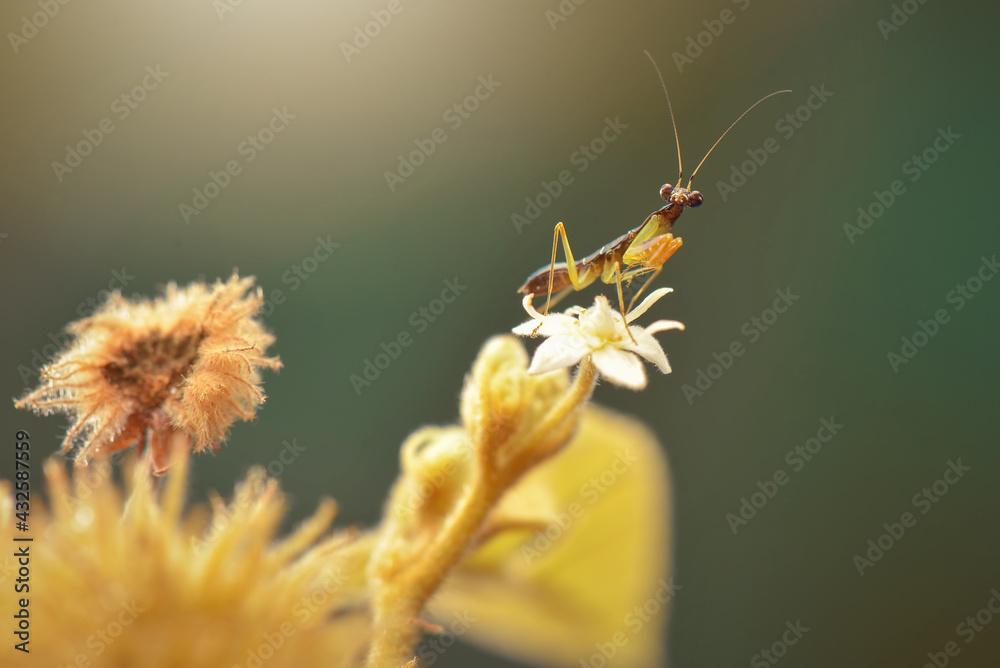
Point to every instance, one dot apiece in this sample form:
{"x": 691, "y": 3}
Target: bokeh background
{"x": 229, "y": 65}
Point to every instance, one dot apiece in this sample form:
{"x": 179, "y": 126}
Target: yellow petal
{"x": 579, "y": 544}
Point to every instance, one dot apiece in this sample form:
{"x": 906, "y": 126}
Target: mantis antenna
{"x": 680, "y": 166}
{"x": 778, "y": 92}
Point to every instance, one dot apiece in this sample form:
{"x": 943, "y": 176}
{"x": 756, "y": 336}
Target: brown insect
{"x": 641, "y": 251}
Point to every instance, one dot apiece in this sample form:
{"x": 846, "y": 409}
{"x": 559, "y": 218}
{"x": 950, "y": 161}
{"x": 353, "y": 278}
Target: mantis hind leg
{"x": 574, "y": 276}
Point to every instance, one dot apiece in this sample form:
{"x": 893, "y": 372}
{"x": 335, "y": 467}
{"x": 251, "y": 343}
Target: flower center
{"x": 601, "y": 324}
{"x": 148, "y": 369}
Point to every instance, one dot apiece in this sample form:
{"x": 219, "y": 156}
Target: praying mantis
{"x": 639, "y": 252}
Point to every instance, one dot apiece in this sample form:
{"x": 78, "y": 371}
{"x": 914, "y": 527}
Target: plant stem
{"x": 399, "y": 600}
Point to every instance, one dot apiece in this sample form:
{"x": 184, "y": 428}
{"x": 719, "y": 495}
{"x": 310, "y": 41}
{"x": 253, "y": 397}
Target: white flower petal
{"x": 526, "y": 303}
{"x": 663, "y": 326}
{"x": 648, "y": 348}
{"x": 550, "y": 325}
{"x": 560, "y": 325}
{"x": 620, "y": 367}
{"x": 653, "y": 297}
{"x": 557, "y": 352}
{"x": 526, "y": 328}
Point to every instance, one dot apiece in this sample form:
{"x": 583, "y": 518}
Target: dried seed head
{"x": 176, "y": 370}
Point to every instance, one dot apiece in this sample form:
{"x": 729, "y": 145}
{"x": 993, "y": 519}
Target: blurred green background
{"x": 66, "y": 234}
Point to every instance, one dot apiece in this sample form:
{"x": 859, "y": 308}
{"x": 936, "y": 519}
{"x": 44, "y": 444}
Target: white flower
{"x": 600, "y": 331}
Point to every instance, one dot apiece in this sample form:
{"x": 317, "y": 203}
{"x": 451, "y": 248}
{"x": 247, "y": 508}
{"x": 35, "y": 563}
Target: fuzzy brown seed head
{"x": 180, "y": 369}
{"x": 151, "y": 368}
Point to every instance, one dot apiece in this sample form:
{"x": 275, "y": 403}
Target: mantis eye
{"x": 695, "y": 199}
{"x": 665, "y": 191}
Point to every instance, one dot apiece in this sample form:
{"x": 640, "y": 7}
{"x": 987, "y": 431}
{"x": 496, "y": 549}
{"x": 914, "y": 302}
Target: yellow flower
{"x": 172, "y": 371}
{"x": 126, "y": 578}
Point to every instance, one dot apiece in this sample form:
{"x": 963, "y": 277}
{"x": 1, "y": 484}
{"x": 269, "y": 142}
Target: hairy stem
{"x": 405, "y": 582}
